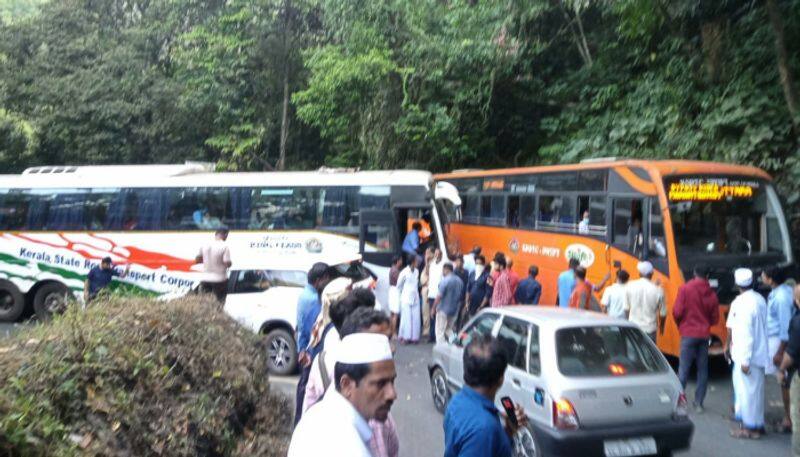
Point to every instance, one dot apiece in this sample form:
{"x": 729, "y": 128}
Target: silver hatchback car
{"x": 591, "y": 385}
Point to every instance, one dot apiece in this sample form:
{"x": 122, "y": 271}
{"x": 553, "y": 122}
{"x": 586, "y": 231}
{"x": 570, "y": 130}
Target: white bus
{"x": 57, "y": 222}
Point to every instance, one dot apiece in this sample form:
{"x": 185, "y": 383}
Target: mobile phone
{"x": 508, "y": 405}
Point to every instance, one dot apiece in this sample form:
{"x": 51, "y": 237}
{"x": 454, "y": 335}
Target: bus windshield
{"x": 726, "y": 216}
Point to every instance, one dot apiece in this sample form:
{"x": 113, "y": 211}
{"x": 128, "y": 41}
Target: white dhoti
{"x": 748, "y": 390}
{"x": 773, "y": 343}
{"x": 394, "y": 300}
{"x": 409, "y": 321}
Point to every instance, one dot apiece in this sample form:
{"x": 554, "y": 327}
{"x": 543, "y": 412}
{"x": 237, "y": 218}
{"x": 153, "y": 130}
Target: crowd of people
{"x": 346, "y": 386}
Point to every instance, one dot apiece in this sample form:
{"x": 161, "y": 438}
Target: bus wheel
{"x": 50, "y": 299}
{"x": 281, "y": 352}
{"x": 12, "y": 303}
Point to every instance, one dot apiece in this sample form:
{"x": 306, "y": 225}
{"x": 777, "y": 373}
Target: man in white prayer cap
{"x": 645, "y": 306}
{"x": 747, "y": 348}
{"x": 338, "y": 426}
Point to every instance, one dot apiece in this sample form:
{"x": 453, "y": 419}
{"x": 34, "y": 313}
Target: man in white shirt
{"x": 645, "y": 305}
{"x": 338, "y": 425}
{"x": 216, "y": 259}
{"x": 583, "y": 225}
{"x": 747, "y": 348}
{"x": 615, "y": 297}
{"x": 435, "y": 273}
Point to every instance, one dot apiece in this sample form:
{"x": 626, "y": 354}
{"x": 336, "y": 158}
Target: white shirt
{"x": 215, "y": 255}
{"x": 332, "y": 428}
{"x": 435, "y": 273}
{"x": 583, "y": 227}
{"x": 469, "y": 262}
{"x": 408, "y": 284}
{"x": 615, "y": 299}
{"x": 645, "y": 303}
{"x": 747, "y": 320}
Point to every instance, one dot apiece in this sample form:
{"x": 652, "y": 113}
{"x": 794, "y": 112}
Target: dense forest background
{"x": 431, "y": 84}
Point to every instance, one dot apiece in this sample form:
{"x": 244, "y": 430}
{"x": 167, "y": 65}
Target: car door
{"x": 514, "y": 335}
{"x": 483, "y": 325}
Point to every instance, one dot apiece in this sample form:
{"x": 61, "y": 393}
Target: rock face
{"x": 139, "y": 377}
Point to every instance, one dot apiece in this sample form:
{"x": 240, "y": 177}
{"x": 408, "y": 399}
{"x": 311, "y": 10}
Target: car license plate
{"x": 630, "y": 447}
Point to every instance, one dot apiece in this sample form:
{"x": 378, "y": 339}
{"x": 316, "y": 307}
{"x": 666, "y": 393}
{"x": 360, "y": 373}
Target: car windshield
{"x": 606, "y": 351}
{"x": 726, "y": 216}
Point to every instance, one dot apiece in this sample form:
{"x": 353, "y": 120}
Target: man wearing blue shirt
{"x": 529, "y": 290}
{"x": 448, "y": 302}
{"x": 100, "y": 277}
{"x": 472, "y": 427}
{"x": 780, "y": 307}
{"x": 478, "y": 289}
{"x": 411, "y": 241}
{"x": 566, "y": 283}
{"x": 308, "y": 308}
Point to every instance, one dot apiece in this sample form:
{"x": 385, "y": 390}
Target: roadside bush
{"x": 136, "y": 377}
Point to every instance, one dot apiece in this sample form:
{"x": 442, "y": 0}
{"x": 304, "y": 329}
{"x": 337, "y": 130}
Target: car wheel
{"x": 12, "y": 304}
{"x": 281, "y": 352}
{"x": 50, "y": 299}
{"x": 525, "y": 444}
{"x": 439, "y": 390}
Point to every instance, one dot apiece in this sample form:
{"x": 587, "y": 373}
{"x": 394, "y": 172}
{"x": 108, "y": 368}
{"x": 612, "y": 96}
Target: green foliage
{"x": 139, "y": 377}
{"x": 398, "y": 83}
{"x": 17, "y": 10}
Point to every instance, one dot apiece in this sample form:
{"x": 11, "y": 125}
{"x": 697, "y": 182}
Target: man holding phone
{"x": 471, "y": 424}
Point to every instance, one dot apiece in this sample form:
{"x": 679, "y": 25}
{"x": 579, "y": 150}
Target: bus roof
{"x": 662, "y": 167}
{"x": 199, "y": 175}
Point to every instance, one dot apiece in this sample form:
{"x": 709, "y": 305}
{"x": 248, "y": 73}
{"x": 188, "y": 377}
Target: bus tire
{"x": 49, "y": 299}
{"x": 281, "y": 352}
{"x": 12, "y": 303}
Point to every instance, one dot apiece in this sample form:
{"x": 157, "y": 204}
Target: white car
{"x": 591, "y": 385}
{"x": 263, "y": 297}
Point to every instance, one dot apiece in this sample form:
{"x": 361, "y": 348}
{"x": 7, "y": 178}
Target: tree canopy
{"x": 432, "y": 84}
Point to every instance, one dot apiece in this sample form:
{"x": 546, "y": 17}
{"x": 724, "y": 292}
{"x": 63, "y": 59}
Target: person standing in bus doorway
{"x": 787, "y": 372}
{"x": 748, "y": 349}
{"x": 780, "y": 307}
{"x": 646, "y": 306}
{"x": 566, "y": 283}
{"x": 501, "y": 287}
{"x": 408, "y": 286}
{"x": 479, "y": 292}
{"x": 100, "y": 277}
{"x": 216, "y": 259}
{"x": 435, "y": 274}
{"x": 447, "y": 302}
{"x": 394, "y": 292}
{"x": 411, "y": 241}
{"x": 529, "y": 289}
{"x": 696, "y": 310}
{"x": 309, "y": 306}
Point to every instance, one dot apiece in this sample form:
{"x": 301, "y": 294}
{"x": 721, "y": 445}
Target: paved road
{"x": 420, "y": 425}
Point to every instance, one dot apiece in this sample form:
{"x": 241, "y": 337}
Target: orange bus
{"x": 673, "y": 213}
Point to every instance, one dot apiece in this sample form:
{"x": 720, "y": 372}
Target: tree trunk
{"x": 287, "y": 5}
{"x": 785, "y": 71}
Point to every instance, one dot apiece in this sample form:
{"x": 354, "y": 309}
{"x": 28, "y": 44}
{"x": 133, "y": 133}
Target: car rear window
{"x": 606, "y": 351}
